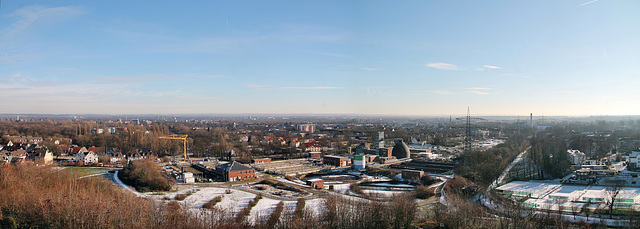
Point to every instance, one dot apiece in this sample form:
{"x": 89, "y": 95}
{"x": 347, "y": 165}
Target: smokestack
{"x": 531, "y": 118}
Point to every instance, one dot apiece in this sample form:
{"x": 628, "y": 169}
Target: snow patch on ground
{"x": 382, "y": 193}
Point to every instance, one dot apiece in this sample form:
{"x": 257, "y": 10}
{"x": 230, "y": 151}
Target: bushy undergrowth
{"x": 355, "y": 188}
{"x": 212, "y": 202}
{"x": 144, "y": 176}
{"x": 298, "y": 213}
{"x": 424, "y": 192}
{"x": 181, "y": 197}
{"x": 275, "y": 216}
{"x": 247, "y": 210}
{"x": 428, "y": 180}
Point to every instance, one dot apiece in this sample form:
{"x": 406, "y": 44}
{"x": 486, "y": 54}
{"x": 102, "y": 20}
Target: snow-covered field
{"x": 235, "y": 201}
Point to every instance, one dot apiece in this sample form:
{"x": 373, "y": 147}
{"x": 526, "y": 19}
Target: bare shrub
{"x": 355, "y": 188}
{"x": 213, "y": 202}
{"x": 424, "y": 192}
{"x": 247, "y": 210}
{"x": 144, "y": 176}
{"x": 183, "y": 196}
{"x": 275, "y": 215}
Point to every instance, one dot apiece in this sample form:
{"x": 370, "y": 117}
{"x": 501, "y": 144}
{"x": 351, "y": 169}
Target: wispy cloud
{"x": 29, "y": 15}
{"x": 370, "y": 69}
{"x": 443, "y": 66}
{"x": 589, "y": 2}
{"x": 478, "y": 90}
{"x": 312, "y": 88}
{"x": 491, "y": 67}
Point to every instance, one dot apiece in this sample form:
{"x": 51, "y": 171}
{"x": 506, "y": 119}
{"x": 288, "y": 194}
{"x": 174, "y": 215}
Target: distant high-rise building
{"x": 380, "y": 140}
{"x": 307, "y": 128}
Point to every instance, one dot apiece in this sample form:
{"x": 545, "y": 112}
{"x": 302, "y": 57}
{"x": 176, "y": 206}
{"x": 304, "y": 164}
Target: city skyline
{"x": 430, "y": 58}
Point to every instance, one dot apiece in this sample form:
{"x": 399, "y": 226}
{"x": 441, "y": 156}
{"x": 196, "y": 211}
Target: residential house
{"x": 77, "y": 149}
{"x": 40, "y": 155}
{"x": 576, "y": 157}
{"x": 5, "y": 156}
{"x": 633, "y": 159}
{"x": 97, "y": 150}
{"x": 87, "y": 158}
{"x": 314, "y": 146}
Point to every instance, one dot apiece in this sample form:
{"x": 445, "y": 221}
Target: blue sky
{"x": 571, "y": 57}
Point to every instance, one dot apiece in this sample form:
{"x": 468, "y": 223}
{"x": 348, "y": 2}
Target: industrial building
{"x": 234, "y": 171}
{"x": 338, "y": 161}
{"x": 570, "y": 198}
{"x": 359, "y": 162}
{"x": 401, "y": 150}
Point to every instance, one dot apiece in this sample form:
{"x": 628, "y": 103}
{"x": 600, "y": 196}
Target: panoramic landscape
{"x": 332, "y": 114}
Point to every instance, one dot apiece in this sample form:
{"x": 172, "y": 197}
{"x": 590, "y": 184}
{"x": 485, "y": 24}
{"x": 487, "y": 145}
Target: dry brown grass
{"x": 34, "y": 196}
{"x": 42, "y": 197}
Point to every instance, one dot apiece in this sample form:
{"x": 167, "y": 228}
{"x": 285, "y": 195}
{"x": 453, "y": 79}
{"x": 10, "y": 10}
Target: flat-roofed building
{"x": 413, "y": 175}
{"x": 338, "y": 161}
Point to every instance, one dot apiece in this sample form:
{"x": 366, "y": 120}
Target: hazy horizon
{"x": 416, "y": 58}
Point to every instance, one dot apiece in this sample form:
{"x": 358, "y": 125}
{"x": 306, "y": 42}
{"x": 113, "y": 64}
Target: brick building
{"x": 261, "y": 160}
{"x": 234, "y": 171}
{"x": 335, "y": 160}
{"x": 315, "y": 155}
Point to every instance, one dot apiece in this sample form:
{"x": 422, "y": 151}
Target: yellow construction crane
{"x": 179, "y": 137}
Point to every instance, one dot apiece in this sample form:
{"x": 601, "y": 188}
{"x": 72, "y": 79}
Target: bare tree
{"x": 585, "y": 209}
{"x": 612, "y": 192}
{"x": 574, "y": 208}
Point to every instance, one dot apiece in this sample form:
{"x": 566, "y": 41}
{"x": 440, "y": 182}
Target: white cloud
{"x": 443, "y": 66}
{"x": 589, "y": 2}
{"x": 491, "y": 67}
{"x": 369, "y": 69}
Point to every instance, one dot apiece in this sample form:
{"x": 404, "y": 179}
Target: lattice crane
{"x": 179, "y": 137}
